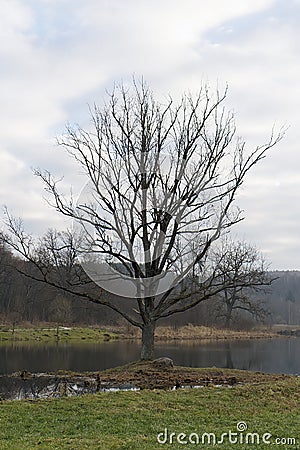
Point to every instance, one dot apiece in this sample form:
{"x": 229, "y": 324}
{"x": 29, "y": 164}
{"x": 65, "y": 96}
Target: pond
{"x": 278, "y": 355}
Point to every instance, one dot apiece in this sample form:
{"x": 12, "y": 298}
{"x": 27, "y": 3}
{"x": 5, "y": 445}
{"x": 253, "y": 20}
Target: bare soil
{"x": 145, "y": 375}
{"x": 138, "y": 375}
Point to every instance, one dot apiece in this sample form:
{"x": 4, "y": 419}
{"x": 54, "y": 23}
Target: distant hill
{"x": 283, "y": 299}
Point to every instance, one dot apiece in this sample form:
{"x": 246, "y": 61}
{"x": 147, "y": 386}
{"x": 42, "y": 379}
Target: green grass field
{"x": 49, "y": 334}
{"x": 133, "y": 420}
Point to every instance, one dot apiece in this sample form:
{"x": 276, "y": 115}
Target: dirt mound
{"x": 146, "y": 375}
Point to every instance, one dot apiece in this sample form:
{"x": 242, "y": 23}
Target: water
{"x": 278, "y": 355}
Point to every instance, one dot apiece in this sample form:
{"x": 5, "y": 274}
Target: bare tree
{"x": 60, "y": 312}
{"x": 243, "y": 271}
{"x": 160, "y": 177}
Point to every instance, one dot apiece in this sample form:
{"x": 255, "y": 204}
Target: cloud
{"x": 272, "y": 214}
{"x": 58, "y": 55}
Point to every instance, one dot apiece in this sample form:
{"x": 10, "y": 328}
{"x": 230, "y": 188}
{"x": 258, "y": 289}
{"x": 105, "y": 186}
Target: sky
{"x": 58, "y": 56}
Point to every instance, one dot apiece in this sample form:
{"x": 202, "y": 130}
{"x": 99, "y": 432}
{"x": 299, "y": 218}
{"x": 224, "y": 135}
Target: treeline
{"x": 283, "y": 299}
{"x": 24, "y": 300}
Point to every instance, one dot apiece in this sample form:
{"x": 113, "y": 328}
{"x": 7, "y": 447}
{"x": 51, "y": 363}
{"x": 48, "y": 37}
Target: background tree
{"x": 290, "y": 299}
{"x": 160, "y": 176}
{"x": 284, "y": 297}
{"x": 244, "y": 273}
{"x": 11, "y": 286}
{"x": 60, "y": 312}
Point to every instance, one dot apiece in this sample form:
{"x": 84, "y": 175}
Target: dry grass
{"x": 201, "y": 332}
{"x": 192, "y": 332}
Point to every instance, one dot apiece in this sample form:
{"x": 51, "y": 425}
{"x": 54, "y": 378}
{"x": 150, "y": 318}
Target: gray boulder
{"x": 163, "y": 363}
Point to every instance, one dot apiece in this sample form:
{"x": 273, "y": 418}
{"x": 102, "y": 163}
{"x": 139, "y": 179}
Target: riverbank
{"x": 54, "y": 334}
{"x": 266, "y": 405}
{"x": 50, "y": 333}
{"x": 139, "y": 375}
{"x": 194, "y": 332}
{"x": 153, "y": 375}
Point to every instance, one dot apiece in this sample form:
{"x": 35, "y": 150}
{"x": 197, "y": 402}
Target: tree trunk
{"x": 147, "y": 351}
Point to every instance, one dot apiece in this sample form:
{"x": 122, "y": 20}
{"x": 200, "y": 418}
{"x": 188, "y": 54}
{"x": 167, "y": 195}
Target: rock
{"x": 163, "y": 363}
{"x": 25, "y": 375}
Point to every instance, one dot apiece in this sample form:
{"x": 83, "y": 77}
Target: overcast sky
{"x": 56, "y": 56}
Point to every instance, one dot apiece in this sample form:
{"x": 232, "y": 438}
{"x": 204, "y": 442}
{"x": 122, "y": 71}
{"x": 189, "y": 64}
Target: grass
{"x": 146, "y": 375}
{"x": 49, "y": 334}
{"x": 132, "y": 420}
{"x": 93, "y": 334}
{"x": 201, "y": 332}
{"x": 195, "y": 332}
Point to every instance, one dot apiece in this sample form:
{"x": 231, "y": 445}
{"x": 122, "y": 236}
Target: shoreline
{"x": 135, "y": 376}
{"x": 99, "y": 334}
{"x": 133, "y": 420}
{"x": 198, "y": 333}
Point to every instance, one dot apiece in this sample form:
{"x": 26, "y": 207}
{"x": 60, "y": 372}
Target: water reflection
{"x": 266, "y": 355}
{"x": 53, "y": 357}
{"x": 278, "y": 355}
